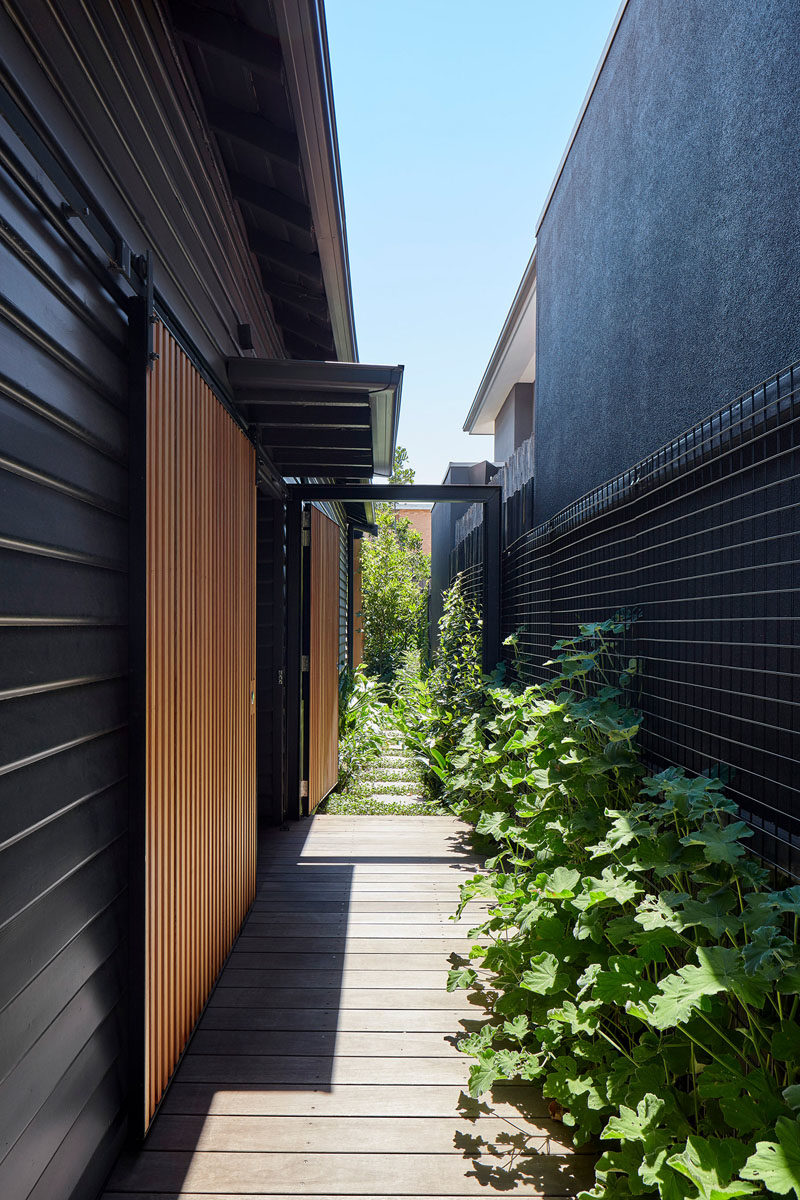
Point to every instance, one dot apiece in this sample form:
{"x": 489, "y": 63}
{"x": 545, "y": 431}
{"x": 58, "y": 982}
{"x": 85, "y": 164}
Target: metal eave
{"x": 255, "y": 381}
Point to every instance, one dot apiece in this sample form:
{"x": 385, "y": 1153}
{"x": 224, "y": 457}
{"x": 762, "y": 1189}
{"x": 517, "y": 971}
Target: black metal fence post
{"x": 492, "y": 537}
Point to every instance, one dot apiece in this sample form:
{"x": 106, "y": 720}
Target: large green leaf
{"x": 657, "y": 912}
{"x": 460, "y": 977}
{"x": 787, "y": 901}
{"x": 711, "y": 1163}
{"x": 635, "y": 1124}
{"x": 559, "y": 884}
{"x": 517, "y": 1028}
{"x": 690, "y": 989}
{"x": 482, "y": 1075}
{"x": 721, "y": 844}
{"x": 614, "y": 885}
{"x": 581, "y": 1018}
{"x": 777, "y": 1164}
{"x": 723, "y": 1077}
{"x": 785, "y": 1043}
{"x": 768, "y": 950}
{"x": 495, "y": 824}
{"x": 622, "y": 981}
{"x": 715, "y": 913}
{"x": 542, "y": 976}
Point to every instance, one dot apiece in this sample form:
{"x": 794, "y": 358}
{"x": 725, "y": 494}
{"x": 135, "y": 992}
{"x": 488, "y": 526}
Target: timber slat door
{"x": 323, "y": 727}
{"x": 201, "y": 793}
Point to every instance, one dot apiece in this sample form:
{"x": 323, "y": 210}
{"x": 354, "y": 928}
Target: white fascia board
{"x": 513, "y": 358}
{"x": 304, "y": 44}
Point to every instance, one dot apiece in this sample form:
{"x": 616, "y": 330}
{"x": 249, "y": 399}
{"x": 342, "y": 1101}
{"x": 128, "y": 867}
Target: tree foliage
{"x": 394, "y": 581}
{"x": 402, "y": 472}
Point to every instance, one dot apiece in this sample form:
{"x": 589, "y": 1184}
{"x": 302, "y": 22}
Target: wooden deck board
{"x": 353, "y": 1100}
{"x": 374, "y": 1135}
{"x": 325, "y": 1063}
{"x": 375, "y": 1043}
{"x": 347, "y": 1020}
{"x": 297, "y": 1174}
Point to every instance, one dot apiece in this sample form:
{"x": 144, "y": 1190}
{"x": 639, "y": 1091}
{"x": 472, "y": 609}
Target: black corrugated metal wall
{"x": 63, "y": 686}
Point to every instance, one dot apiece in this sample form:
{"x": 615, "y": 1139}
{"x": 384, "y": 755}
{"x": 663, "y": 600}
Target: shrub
{"x": 394, "y": 582}
{"x": 633, "y": 960}
{"x": 362, "y": 720}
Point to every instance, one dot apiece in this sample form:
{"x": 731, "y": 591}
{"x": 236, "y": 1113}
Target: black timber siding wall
{"x": 63, "y": 701}
{"x": 270, "y": 657}
{"x": 142, "y": 160}
{"x": 669, "y": 258}
{"x": 142, "y": 155}
{"x": 343, "y": 573}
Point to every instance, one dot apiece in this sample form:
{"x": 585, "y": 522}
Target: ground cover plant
{"x": 635, "y": 963}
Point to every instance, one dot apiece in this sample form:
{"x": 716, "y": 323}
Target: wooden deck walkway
{"x": 324, "y": 1065}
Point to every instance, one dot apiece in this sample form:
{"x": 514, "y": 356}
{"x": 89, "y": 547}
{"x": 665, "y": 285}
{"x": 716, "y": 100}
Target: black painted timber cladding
{"x": 343, "y": 574}
{"x": 270, "y": 658}
{"x": 63, "y": 707}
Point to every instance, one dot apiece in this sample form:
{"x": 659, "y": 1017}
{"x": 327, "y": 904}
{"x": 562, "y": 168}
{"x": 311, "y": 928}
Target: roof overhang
{"x": 264, "y": 86}
{"x": 304, "y": 40}
{"x": 513, "y": 358}
{"x": 321, "y": 420}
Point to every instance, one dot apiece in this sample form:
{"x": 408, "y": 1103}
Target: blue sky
{"x": 452, "y": 117}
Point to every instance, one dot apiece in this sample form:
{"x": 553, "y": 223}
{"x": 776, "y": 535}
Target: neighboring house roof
{"x": 265, "y": 89}
{"x": 513, "y": 358}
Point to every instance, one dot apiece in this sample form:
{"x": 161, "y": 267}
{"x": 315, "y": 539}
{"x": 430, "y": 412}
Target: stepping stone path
{"x": 395, "y": 776}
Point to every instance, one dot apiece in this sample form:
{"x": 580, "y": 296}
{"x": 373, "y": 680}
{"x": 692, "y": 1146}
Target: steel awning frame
{"x": 490, "y": 495}
{"x": 305, "y": 388}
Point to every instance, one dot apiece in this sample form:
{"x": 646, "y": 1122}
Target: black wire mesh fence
{"x": 466, "y": 560}
{"x": 703, "y": 539}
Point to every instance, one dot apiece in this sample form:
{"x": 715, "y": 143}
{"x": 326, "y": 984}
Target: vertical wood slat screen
{"x": 323, "y": 749}
{"x": 358, "y": 605}
{"x": 201, "y": 770}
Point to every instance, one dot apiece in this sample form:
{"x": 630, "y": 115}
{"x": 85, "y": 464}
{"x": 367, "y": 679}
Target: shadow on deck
{"x": 325, "y": 1064}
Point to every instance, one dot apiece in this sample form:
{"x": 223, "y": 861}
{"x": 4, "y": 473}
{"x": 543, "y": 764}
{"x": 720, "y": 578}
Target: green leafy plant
{"x": 634, "y": 963}
{"x": 432, "y": 713}
{"x": 395, "y": 579}
{"x": 363, "y": 718}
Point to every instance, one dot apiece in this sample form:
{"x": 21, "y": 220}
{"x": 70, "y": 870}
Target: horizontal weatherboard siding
{"x": 63, "y": 706}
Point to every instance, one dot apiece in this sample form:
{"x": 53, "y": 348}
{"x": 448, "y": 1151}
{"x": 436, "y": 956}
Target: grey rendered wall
{"x": 669, "y": 258}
